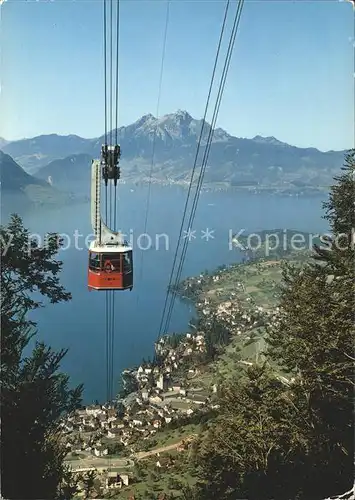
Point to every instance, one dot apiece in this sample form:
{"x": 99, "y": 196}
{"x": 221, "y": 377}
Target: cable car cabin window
{"x": 94, "y": 261}
{"x": 111, "y": 263}
{"x": 127, "y": 262}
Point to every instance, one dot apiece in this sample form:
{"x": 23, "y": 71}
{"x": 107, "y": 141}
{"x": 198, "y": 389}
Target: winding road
{"x": 124, "y": 463}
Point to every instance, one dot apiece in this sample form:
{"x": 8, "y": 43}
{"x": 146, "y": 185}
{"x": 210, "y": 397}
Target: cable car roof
{"x": 116, "y": 248}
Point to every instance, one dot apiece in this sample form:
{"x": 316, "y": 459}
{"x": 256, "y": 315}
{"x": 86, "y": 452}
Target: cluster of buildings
{"x": 163, "y": 395}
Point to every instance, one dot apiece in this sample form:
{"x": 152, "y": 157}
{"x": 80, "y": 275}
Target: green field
{"x": 257, "y": 280}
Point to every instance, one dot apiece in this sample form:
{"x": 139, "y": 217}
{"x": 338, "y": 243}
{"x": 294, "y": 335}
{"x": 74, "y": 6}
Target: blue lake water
{"x": 80, "y": 324}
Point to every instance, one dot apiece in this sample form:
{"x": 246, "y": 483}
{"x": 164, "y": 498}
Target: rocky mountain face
{"x": 62, "y": 173}
{"x": 261, "y": 161}
{"x": 20, "y": 190}
{"x": 13, "y": 177}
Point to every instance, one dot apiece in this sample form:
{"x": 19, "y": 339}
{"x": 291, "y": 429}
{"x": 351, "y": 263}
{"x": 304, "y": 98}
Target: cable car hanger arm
{"x": 103, "y": 234}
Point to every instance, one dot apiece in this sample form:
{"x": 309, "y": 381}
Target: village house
{"x": 115, "y": 480}
{"x": 89, "y": 422}
{"x": 136, "y": 422}
{"x": 111, "y": 415}
{"x": 117, "y": 424}
{"x": 155, "y": 399}
{"x": 102, "y": 421}
{"x": 94, "y": 410}
{"x": 197, "y": 398}
{"x": 100, "y": 451}
{"x": 161, "y": 382}
{"x": 113, "y": 433}
{"x": 199, "y": 339}
{"x": 145, "y": 395}
{"x": 68, "y": 427}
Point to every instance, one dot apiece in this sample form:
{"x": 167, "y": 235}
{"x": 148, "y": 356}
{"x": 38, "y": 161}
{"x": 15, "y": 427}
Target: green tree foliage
{"x": 34, "y": 395}
{"x": 251, "y": 449}
{"x": 115, "y": 448}
{"x": 315, "y": 338}
{"x": 288, "y": 432}
{"x": 174, "y": 340}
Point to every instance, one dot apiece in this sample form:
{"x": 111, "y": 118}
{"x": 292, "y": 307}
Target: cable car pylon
{"x": 110, "y": 256}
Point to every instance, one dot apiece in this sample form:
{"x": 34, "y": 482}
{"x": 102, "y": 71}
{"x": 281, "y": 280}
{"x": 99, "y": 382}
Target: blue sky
{"x": 291, "y": 75}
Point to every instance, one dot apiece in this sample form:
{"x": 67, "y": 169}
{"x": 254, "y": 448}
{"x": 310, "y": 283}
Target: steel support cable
{"x": 111, "y": 63}
{"x": 194, "y": 166}
{"x": 117, "y": 96}
{"x": 109, "y": 296}
{"x": 208, "y": 146}
{"x": 109, "y": 299}
{"x": 207, "y": 150}
{"x": 111, "y": 96}
{"x": 106, "y": 207}
{"x": 109, "y": 218}
{"x": 110, "y": 325}
{"x": 111, "y": 374}
{"x": 117, "y": 62}
{"x": 105, "y": 88}
{"x": 155, "y": 134}
{"x": 107, "y": 344}
{"x": 105, "y": 68}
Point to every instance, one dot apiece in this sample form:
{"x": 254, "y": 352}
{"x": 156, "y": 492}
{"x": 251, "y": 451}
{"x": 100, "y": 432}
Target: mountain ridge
{"x": 232, "y": 161}
{"x": 150, "y": 117}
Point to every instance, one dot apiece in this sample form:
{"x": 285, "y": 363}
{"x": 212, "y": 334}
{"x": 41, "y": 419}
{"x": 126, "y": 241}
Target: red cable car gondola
{"x": 110, "y": 257}
{"x": 110, "y": 267}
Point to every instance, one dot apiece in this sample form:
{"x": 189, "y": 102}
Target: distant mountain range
{"x": 20, "y": 191}
{"x": 258, "y": 163}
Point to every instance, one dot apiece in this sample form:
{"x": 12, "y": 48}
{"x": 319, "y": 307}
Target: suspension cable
{"x": 105, "y": 87}
{"x": 105, "y": 69}
{"x": 194, "y": 167}
{"x": 111, "y": 62}
{"x": 111, "y": 373}
{"x": 206, "y": 153}
{"x": 110, "y": 193}
{"x": 155, "y": 134}
{"x": 117, "y": 97}
{"x": 107, "y": 335}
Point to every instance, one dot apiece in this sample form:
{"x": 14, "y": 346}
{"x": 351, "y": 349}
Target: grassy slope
{"x": 261, "y": 282}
